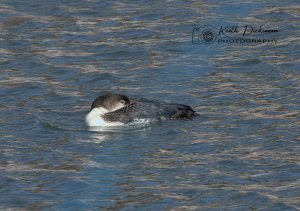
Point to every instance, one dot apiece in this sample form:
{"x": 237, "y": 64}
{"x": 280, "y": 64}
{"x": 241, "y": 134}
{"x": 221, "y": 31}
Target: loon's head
{"x": 110, "y": 102}
{"x": 104, "y": 104}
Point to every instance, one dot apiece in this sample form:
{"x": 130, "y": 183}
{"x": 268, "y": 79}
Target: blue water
{"x": 240, "y": 153}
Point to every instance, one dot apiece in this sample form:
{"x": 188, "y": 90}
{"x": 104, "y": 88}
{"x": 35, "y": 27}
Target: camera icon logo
{"x": 206, "y": 34}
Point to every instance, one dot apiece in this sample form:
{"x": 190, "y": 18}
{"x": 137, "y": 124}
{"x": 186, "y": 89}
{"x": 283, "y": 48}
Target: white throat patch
{"x": 94, "y": 118}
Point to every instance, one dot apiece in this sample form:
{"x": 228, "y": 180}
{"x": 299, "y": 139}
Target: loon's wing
{"x": 129, "y": 113}
{"x": 145, "y": 109}
{"x": 165, "y": 110}
{"x": 162, "y": 110}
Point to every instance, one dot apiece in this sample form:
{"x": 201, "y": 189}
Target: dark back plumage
{"x": 153, "y": 110}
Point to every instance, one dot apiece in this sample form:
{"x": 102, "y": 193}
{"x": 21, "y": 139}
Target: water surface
{"x": 240, "y": 153}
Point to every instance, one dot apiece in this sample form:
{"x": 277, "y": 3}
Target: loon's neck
{"x": 95, "y": 118}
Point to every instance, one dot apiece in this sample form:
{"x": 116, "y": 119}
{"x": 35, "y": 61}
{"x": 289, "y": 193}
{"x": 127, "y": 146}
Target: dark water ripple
{"x": 240, "y": 153}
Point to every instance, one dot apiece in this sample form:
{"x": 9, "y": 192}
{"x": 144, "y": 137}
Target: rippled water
{"x": 240, "y": 153}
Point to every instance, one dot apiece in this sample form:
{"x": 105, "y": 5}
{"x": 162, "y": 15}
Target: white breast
{"x": 94, "y": 118}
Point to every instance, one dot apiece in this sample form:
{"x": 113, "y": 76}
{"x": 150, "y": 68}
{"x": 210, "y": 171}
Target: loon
{"x": 117, "y": 110}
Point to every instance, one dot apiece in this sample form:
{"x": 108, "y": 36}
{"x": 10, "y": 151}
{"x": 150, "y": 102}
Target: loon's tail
{"x": 183, "y": 112}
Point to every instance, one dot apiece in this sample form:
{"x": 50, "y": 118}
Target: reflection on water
{"x": 240, "y": 153}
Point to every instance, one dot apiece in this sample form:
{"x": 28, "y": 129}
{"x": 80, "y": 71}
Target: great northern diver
{"x": 117, "y": 109}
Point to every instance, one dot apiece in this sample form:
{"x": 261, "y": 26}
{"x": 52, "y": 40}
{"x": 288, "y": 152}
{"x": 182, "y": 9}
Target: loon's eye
{"x": 122, "y": 101}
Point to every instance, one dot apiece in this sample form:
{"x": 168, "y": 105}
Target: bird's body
{"x": 116, "y": 110}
